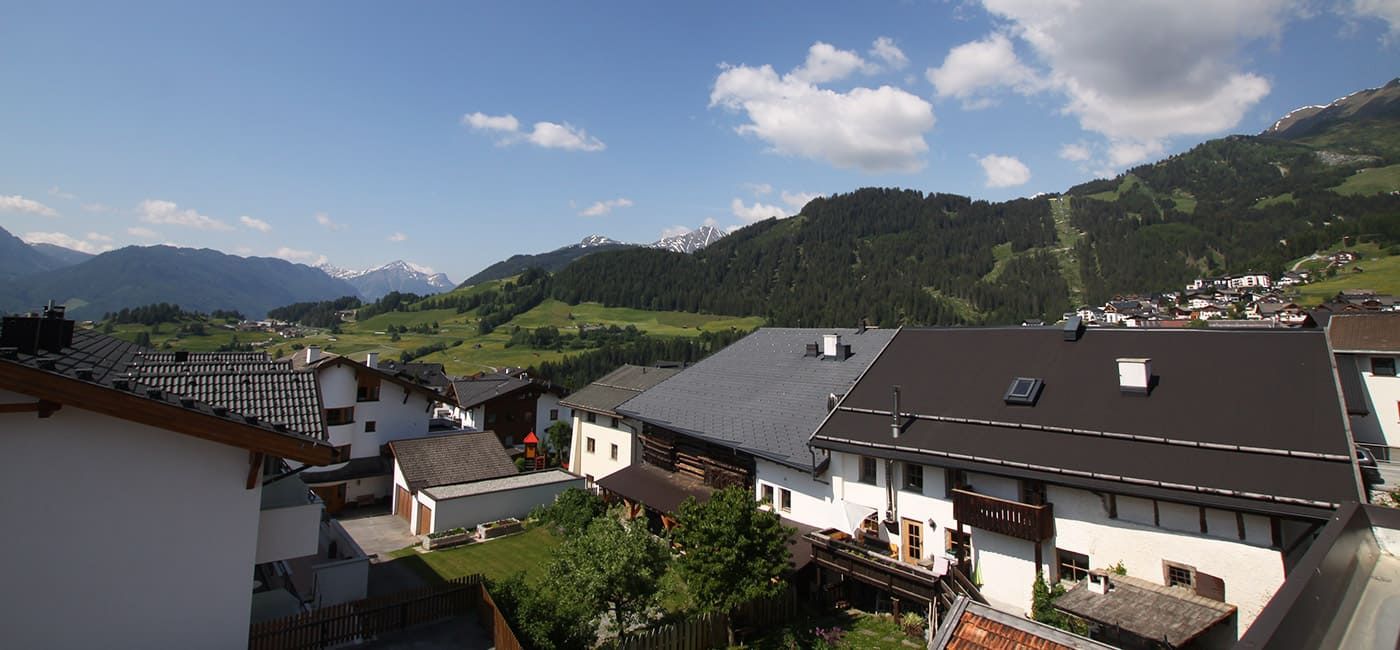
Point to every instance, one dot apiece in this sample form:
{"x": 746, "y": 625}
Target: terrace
{"x": 933, "y": 581}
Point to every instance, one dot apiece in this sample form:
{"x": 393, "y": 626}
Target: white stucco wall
{"x": 469, "y": 511}
{"x": 394, "y": 418}
{"x": 1385, "y": 402}
{"x": 812, "y": 502}
{"x": 122, "y": 535}
{"x": 549, "y": 402}
{"x": 599, "y": 463}
{"x": 288, "y": 532}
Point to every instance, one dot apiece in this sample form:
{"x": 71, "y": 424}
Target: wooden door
{"x": 333, "y": 496}
{"x": 403, "y": 503}
{"x": 912, "y": 550}
{"x": 425, "y": 520}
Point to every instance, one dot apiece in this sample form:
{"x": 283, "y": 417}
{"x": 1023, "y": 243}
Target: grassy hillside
{"x": 1377, "y": 180}
{"x": 1378, "y": 271}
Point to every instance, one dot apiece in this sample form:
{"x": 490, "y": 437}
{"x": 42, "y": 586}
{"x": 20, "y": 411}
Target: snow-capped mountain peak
{"x": 397, "y": 275}
{"x": 691, "y": 241}
{"x": 596, "y": 240}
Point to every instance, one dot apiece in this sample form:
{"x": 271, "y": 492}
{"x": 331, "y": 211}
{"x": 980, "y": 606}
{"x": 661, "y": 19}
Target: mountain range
{"x": 557, "y": 259}
{"x": 398, "y": 275}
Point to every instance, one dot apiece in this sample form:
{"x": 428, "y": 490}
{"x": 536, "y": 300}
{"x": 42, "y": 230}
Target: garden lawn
{"x": 860, "y": 632}
{"x": 528, "y": 552}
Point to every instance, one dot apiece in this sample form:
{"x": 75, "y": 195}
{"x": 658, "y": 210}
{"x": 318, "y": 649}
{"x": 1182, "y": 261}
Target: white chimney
{"x": 1098, "y": 582}
{"x": 1134, "y": 375}
{"x": 829, "y": 343}
{"x": 313, "y": 353}
{"x": 372, "y": 359}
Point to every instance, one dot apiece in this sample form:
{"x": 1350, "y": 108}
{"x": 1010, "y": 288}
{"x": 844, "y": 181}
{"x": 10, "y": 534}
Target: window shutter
{"x": 1209, "y": 586}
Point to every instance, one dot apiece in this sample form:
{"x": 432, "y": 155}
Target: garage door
{"x": 403, "y": 503}
{"x": 425, "y": 520}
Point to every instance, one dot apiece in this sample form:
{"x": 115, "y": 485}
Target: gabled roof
{"x": 471, "y": 392}
{"x": 970, "y": 625}
{"x": 428, "y": 374}
{"x": 88, "y": 373}
{"x": 1360, "y": 333}
{"x": 451, "y": 459}
{"x": 332, "y": 360}
{"x": 270, "y": 390}
{"x": 616, "y": 387}
{"x": 762, "y": 394}
{"x": 1085, "y": 431}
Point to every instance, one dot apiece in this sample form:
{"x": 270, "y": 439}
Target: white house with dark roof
{"x": 605, "y": 441}
{"x": 101, "y": 464}
{"x": 995, "y": 454}
{"x": 1367, "y": 348}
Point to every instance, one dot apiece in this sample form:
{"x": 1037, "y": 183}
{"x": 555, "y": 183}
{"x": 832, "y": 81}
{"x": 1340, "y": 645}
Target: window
{"x": 1178, "y": 574}
{"x": 591, "y": 417}
{"x": 953, "y": 479}
{"x": 1072, "y": 566}
{"x": 786, "y": 494}
{"x": 867, "y": 470}
{"x": 612, "y": 453}
{"x": 370, "y": 426}
{"x": 553, "y": 414}
{"x": 368, "y": 390}
{"x": 614, "y": 423}
{"x": 767, "y": 492}
{"x": 914, "y": 477}
{"x": 870, "y": 525}
{"x": 591, "y": 445}
{"x": 336, "y": 417}
{"x": 1383, "y": 366}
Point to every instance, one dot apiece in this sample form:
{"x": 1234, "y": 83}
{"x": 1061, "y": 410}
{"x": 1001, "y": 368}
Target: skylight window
{"x": 1023, "y": 390}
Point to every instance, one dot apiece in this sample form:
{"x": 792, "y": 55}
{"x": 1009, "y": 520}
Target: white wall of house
{"x": 375, "y": 486}
{"x": 599, "y": 462}
{"x": 123, "y": 535}
{"x": 546, "y": 404}
{"x": 394, "y": 417}
{"x": 811, "y": 501}
{"x": 1385, "y": 400}
{"x": 469, "y": 511}
{"x": 288, "y": 532}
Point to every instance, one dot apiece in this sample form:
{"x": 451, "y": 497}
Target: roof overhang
{"x": 412, "y": 386}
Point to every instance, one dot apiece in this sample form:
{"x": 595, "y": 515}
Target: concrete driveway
{"x": 379, "y": 534}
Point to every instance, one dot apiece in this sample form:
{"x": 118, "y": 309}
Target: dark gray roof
{"x": 470, "y": 392}
{"x": 661, "y": 490}
{"x": 1233, "y": 419}
{"x": 617, "y": 387}
{"x": 450, "y": 459}
{"x": 153, "y": 356}
{"x": 271, "y": 391}
{"x": 428, "y": 374}
{"x": 761, "y": 394}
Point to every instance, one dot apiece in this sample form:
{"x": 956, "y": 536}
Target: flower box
{"x": 446, "y": 538}
{"x": 498, "y": 528}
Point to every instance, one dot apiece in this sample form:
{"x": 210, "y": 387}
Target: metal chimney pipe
{"x": 894, "y": 416}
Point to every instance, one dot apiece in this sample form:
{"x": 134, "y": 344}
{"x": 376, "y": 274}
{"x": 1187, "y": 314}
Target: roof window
{"x": 1024, "y": 391}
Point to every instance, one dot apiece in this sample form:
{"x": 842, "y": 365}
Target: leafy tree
{"x": 614, "y": 567}
{"x": 558, "y": 435}
{"x": 542, "y": 618}
{"x": 734, "y": 552}
{"x": 143, "y": 339}
{"x": 1043, "y": 595}
{"x": 572, "y": 511}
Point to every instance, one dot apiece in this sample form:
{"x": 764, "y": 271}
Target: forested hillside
{"x": 886, "y": 255}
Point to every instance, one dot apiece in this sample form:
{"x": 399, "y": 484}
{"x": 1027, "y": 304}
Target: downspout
{"x": 891, "y": 511}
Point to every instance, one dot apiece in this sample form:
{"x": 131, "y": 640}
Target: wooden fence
{"x": 366, "y": 619}
{"x": 711, "y": 630}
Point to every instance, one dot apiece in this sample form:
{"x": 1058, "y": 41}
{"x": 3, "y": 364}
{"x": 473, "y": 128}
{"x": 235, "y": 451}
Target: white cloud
{"x": 885, "y": 50}
{"x": 549, "y": 135}
{"x": 144, "y": 233}
{"x": 96, "y": 207}
{"x": 711, "y": 222}
{"x": 256, "y": 224}
{"x": 973, "y": 69}
{"x": 243, "y": 250}
{"x": 1004, "y": 171}
{"x": 1076, "y": 152}
{"x": 756, "y": 212}
{"x": 1386, "y": 10}
{"x": 600, "y": 208}
{"x": 167, "y": 212}
{"x": 798, "y": 199}
{"x": 94, "y": 244}
{"x": 17, "y": 203}
{"x": 55, "y": 191}
{"x": 327, "y": 222}
{"x": 300, "y": 256}
{"x": 873, "y": 129}
{"x": 1136, "y": 73}
{"x": 398, "y": 237}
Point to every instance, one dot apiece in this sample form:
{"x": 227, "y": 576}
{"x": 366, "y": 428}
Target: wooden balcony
{"x": 834, "y": 550}
{"x": 1012, "y": 518}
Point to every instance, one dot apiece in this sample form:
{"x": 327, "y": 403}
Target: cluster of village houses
{"x": 1176, "y": 482}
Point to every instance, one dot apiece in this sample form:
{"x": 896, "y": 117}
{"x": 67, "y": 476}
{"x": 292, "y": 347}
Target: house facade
{"x": 148, "y": 506}
{"x": 509, "y": 403}
{"x": 1008, "y": 453}
{"x": 1367, "y": 348}
{"x": 603, "y": 440}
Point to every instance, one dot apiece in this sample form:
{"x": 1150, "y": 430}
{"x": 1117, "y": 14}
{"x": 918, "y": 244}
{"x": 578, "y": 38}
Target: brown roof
{"x": 1365, "y": 332}
{"x": 657, "y": 488}
{"x": 973, "y": 626}
{"x": 451, "y": 459}
{"x": 1084, "y": 431}
{"x": 1147, "y": 610}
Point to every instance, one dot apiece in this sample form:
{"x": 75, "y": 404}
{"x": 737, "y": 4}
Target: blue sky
{"x": 456, "y": 134}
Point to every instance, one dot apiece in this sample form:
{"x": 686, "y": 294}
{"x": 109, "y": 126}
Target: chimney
{"x": 29, "y": 334}
{"x": 1074, "y": 328}
{"x": 1135, "y": 376}
{"x": 372, "y": 359}
{"x": 829, "y": 343}
{"x": 894, "y": 416}
{"x": 1099, "y": 582}
{"x": 313, "y": 353}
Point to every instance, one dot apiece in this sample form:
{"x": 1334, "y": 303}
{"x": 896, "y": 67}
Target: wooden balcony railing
{"x": 1019, "y": 520}
{"x": 835, "y": 551}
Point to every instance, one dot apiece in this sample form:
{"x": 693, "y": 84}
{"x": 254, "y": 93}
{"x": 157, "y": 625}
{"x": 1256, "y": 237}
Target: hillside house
{"x": 1367, "y": 347}
{"x": 510, "y": 403}
{"x": 364, "y": 408}
{"x": 148, "y": 509}
{"x": 605, "y": 441}
{"x": 1011, "y": 452}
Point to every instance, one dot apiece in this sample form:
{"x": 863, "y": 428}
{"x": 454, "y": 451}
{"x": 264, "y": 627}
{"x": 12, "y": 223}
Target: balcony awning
{"x": 659, "y": 489}
{"x": 856, "y": 513}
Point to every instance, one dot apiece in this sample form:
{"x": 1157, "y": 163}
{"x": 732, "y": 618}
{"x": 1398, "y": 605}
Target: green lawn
{"x": 1371, "y": 181}
{"x": 1265, "y": 202}
{"x": 496, "y": 559}
{"x": 1381, "y": 274}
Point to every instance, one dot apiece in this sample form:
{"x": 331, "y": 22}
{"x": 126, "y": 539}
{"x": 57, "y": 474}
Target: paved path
{"x": 379, "y": 534}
